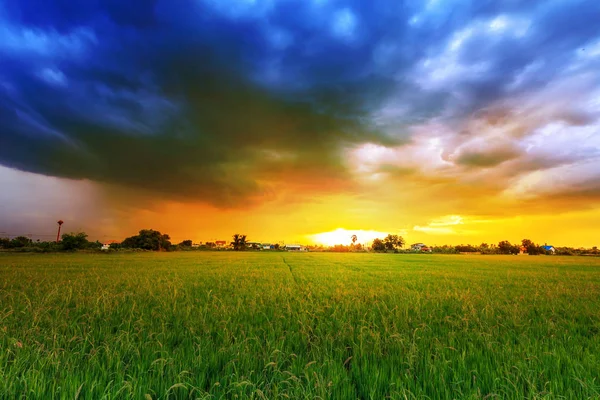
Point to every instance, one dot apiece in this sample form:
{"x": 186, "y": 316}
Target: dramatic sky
{"x": 447, "y": 121}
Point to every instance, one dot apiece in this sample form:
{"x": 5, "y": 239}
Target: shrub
{"x": 74, "y": 241}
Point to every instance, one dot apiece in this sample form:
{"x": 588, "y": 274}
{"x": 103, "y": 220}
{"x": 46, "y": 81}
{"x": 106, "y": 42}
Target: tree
{"x": 148, "y": 239}
{"x": 74, "y": 241}
{"x": 20, "y": 241}
{"x": 4, "y": 243}
{"x": 527, "y": 243}
{"x": 465, "y": 248}
{"x": 505, "y": 247}
{"x": 185, "y": 243}
{"x": 485, "y": 248}
{"x": 340, "y": 248}
{"x": 239, "y": 242}
{"x": 354, "y": 239}
{"x": 48, "y": 246}
{"x": 378, "y": 245}
{"x": 532, "y": 248}
{"x": 95, "y": 245}
{"x": 393, "y": 242}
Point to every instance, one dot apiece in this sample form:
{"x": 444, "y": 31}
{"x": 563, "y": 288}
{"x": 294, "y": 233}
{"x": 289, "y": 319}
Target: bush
{"x": 148, "y": 239}
{"x": 94, "y": 245}
{"x": 378, "y": 245}
{"x": 74, "y": 241}
{"x": 20, "y": 241}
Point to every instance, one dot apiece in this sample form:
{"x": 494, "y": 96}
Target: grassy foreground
{"x": 281, "y": 325}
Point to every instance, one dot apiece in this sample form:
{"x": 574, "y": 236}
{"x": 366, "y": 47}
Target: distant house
{"x": 549, "y": 249}
{"x": 106, "y": 245}
{"x": 220, "y": 243}
{"x": 426, "y": 249}
{"x": 294, "y": 247}
{"x": 522, "y": 250}
{"x": 267, "y": 246}
{"x": 418, "y": 246}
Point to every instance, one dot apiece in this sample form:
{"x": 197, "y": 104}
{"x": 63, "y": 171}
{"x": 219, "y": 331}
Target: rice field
{"x": 212, "y": 325}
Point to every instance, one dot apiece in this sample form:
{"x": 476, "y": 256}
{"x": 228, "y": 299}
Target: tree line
{"x": 68, "y": 242}
{"x": 146, "y": 239}
{"x": 153, "y": 240}
{"x": 526, "y": 246}
{"x": 396, "y": 243}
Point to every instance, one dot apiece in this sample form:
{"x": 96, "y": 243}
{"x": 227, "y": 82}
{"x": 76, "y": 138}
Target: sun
{"x": 344, "y": 236}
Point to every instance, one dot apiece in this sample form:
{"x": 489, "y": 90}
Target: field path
{"x": 291, "y": 270}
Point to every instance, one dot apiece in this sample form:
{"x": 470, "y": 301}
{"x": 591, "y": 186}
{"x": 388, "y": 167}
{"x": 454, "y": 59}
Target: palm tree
{"x": 236, "y": 241}
{"x": 239, "y": 242}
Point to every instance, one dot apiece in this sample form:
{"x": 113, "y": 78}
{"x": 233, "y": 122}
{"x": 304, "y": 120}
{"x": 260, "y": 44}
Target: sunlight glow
{"x": 344, "y": 236}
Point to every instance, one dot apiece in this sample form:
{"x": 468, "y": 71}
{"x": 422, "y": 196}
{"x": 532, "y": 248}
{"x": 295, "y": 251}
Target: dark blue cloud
{"x": 207, "y": 98}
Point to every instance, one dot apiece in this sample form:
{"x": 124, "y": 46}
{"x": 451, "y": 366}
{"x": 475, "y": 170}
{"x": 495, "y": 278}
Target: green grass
{"x": 283, "y": 325}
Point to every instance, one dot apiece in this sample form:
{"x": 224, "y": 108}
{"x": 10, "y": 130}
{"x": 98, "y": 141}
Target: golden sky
{"x": 414, "y": 210}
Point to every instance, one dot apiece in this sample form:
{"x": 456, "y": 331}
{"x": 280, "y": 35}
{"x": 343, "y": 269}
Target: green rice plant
{"x": 212, "y": 325}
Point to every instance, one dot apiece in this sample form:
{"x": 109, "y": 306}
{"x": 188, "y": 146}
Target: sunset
{"x": 289, "y": 119}
{"x": 203, "y": 169}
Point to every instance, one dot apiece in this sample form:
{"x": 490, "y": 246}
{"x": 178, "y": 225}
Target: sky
{"x": 444, "y": 121}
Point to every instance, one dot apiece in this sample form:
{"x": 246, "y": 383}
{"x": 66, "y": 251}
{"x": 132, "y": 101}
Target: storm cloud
{"x": 222, "y": 101}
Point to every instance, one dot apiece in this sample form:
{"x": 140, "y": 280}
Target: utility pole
{"x": 60, "y": 222}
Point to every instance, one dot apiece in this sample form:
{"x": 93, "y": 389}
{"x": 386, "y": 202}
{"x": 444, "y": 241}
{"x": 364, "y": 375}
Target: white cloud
{"x": 526, "y": 74}
{"x": 344, "y": 24}
{"x": 242, "y": 8}
{"x": 447, "y": 220}
{"x": 562, "y": 180}
{"x": 441, "y": 226}
{"x": 445, "y": 69}
{"x": 450, "y": 225}
{"x": 509, "y": 25}
{"x": 435, "y": 230}
{"x": 424, "y": 154}
{"x": 48, "y": 43}
{"x": 53, "y": 76}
